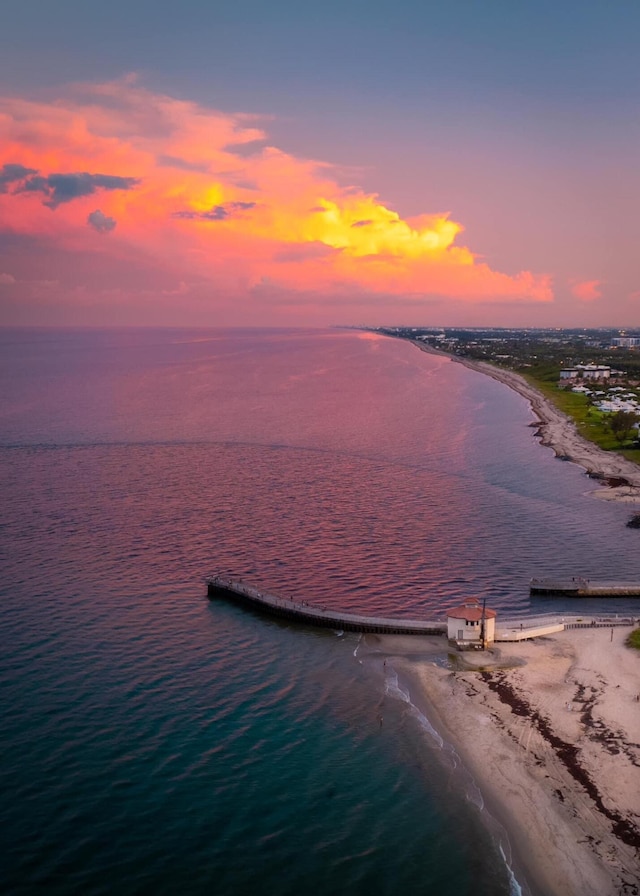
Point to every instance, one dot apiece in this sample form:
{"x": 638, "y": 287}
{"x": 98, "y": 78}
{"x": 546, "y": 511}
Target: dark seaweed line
{"x": 609, "y": 739}
{"x": 567, "y": 753}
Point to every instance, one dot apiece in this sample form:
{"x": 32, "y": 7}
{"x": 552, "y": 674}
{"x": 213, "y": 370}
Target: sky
{"x": 278, "y": 163}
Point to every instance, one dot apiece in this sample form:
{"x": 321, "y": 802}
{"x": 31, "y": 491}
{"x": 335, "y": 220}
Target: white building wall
{"x": 470, "y": 630}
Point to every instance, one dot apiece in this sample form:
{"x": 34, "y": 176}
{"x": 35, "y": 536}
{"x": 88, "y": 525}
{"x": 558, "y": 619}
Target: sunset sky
{"x": 469, "y": 162}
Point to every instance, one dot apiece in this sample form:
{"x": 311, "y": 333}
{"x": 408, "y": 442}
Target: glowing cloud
{"x": 200, "y": 197}
{"x": 586, "y": 290}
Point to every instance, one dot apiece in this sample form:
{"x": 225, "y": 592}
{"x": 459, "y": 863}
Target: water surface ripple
{"x": 156, "y": 742}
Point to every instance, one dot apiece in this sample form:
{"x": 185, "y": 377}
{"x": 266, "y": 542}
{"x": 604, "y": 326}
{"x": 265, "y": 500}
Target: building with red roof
{"x": 471, "y": 624}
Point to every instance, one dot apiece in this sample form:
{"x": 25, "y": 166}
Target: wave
{"x": 394, "y": 689}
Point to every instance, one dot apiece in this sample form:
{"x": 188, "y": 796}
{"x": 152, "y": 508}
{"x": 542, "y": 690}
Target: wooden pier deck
{"x": 318, "y": 616}
{"x": 581, "y": 587}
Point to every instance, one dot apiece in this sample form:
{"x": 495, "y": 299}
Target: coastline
{"x": 550, "y": 730}
{"x": 558, "y": 432}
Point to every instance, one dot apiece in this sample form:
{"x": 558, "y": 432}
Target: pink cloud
{"x": 586, "y": 290}
{"x": 192, "y": 206}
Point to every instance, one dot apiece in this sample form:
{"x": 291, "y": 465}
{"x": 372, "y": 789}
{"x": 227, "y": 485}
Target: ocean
{"x": 157, "y": 742}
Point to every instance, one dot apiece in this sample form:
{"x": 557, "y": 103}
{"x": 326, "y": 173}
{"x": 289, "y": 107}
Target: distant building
{"x": 586, "y": 372}
{"x": 465, "y": 624}
{"x": 626, "y": 341}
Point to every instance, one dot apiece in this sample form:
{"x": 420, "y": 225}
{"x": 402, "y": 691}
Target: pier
{"x": 318, "y": 616}
{"x": 581, "y": 587}
{"x": 521, "y": 628}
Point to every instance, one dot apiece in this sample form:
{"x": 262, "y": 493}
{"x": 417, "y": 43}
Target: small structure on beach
{"x": 471, "y": 624}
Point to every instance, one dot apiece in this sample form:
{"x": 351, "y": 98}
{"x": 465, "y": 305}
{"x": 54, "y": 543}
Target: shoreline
{"x": 550, "y": 731}
{"x": 619, "y": 477}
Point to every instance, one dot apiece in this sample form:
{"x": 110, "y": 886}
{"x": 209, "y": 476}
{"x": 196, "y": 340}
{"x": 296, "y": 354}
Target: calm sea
{"x": 154, "y": 742}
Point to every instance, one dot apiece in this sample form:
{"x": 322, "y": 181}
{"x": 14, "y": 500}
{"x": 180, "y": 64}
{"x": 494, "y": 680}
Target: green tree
{"x": 622, "y": 424}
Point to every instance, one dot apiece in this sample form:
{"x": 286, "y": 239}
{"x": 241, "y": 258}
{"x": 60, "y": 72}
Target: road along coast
{"x": 550, "y": 730}
{"x": 559, "y": 432}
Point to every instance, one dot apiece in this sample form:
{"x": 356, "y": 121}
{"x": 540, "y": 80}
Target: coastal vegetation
{"x": 634, "y": 639}
{"x": 599, "y": 427}
{"x": 540, "y": 355}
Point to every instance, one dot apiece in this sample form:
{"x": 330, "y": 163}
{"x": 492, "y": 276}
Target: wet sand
{"x": 550, "y": 730}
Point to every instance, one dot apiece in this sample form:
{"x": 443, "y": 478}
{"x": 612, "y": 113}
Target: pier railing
{"x": 567, "y": 621}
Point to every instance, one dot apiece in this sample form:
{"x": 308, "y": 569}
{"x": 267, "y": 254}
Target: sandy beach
{"x": 550, "y": 730}
{"x": 559, "y": 432}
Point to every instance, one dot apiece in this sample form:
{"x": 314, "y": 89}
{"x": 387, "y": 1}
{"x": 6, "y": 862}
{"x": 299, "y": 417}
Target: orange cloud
{"x": 149, "y": 181}
{"x": 586, "y": 290}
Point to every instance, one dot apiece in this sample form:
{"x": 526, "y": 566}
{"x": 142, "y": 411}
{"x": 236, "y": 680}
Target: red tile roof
{"x": 471, "y": 611}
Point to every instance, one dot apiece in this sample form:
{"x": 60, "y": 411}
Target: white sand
{"x": 574, "y": 826}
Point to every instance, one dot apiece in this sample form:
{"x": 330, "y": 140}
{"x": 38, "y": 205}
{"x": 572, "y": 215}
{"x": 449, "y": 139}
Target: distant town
{"x": 591, "y": 375}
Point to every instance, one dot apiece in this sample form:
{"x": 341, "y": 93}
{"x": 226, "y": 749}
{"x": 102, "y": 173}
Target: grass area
{"x": 591, "y": 423}
{"x": 634, "y": 639}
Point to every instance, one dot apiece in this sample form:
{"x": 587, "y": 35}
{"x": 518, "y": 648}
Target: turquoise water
{"x": 154, "y": 741}
{"x": 158, "y": 743}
